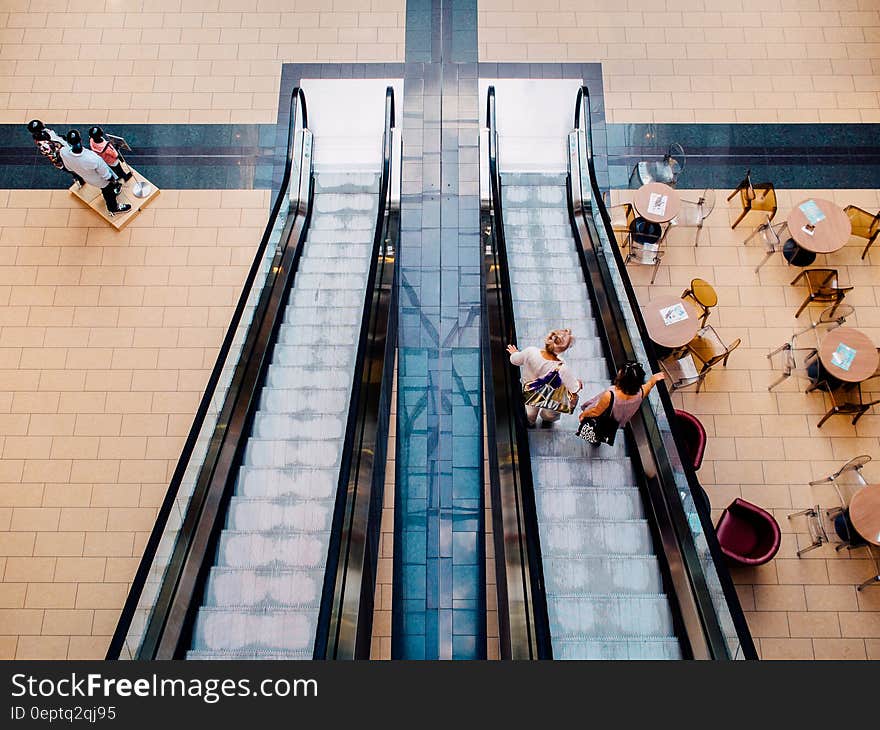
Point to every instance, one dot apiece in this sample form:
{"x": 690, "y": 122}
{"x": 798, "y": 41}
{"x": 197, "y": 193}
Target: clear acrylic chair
{"x": 801, "y": 362}
{"x": 694, "y": 212}
{"x": 773, "y": 238}
{"x": 828, "y": 319}
{"x": 829, "y": 526}
{"x": 666, "y": 171}
{"x": 646, "y": 247}
{"x": 852, "y": 470}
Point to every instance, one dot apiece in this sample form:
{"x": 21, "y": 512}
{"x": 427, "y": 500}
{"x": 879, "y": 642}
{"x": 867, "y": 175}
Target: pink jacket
{"x": 105, "y": 150}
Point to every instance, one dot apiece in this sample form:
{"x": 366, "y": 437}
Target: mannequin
{"x": 105, "y": 149}
{"x": 50, "y": 144}
{"x": 93, "y": 170}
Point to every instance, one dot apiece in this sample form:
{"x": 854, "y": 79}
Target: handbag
{"x": 599, "y": 429}
{"x": 549, "y": 393}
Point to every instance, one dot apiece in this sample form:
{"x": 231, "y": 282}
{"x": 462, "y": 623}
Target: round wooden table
{"x": 642, "y": 198}
{"x": 864, "y": 513}
{"x": 670, "y": 335}
{"x": 830, "y": 234}
{"x": 864, "y": 362}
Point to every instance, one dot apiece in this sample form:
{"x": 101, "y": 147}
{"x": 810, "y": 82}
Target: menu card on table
{"x": 843, "y": 356}
{"x": 657, "y": 204}
{"x": 673, "y": 314}
{"x": 812, "y": 211}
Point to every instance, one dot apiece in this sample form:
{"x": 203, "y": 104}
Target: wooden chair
{"x": 709, "y": 350}
{"x": 822, "y": 286}
{"x": 703, "y": 295}
{"x": 622, "y": 217}
{"x": 847, "y": 402}
{"x": 760, "y": 197}
{"x": 864, "y": 225}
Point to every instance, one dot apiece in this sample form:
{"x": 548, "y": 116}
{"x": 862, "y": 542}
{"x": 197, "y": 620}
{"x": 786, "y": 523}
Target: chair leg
{"x": 730, "y": 197}
{"x": 808, "y": 548}
{"x": 697, "y": 237}
{"x": 783, "y": 346}
{"x": 870, "y": 243}
{"x": 826, "y": 480}
{"x": 801, "y": 308}
{"x": 827, "y": 416}
{"x": 776, "y": 382}
{"x": 873, "y": 581}
{"x": 801, "y": 513}
{"x": 862, "y": 411}
{"x": 741, "y": 216}
{"x": 654, "y": 275}
{"x": 798, "y": 277}
{"x": 763, "y": 261}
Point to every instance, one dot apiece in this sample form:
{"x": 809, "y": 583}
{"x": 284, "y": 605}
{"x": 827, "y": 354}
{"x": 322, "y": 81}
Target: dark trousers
{"x": 110, "y": 196}
{"x": 120, "y": 171}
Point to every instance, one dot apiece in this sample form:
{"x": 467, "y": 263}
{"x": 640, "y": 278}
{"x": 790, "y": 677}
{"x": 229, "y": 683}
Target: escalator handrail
{"x": 581, "y": 113}
{"x": 538, "y": 641}
{"x": 298, "y": 111}
{"x": 353, "y": 521}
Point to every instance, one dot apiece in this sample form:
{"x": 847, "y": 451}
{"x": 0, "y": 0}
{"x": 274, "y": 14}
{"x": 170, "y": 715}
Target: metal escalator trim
{"x": 173, "y": 611}
{"x": 698, "y": 613}
{"x": 522, "y": 602}
{"x": 346, "y": 612}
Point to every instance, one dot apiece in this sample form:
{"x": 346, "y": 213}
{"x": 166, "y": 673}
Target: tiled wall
{"x": 106, "y": 341}
{"x": 176, "y": 61}
{"x": 705, "y": 60}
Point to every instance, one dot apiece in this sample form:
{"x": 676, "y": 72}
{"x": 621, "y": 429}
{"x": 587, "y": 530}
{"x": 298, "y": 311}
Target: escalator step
{"x": 624, "y": 615}
{"x": 603, "y": 574}
{"x": 644, "y": 648}
{"x": 264, "y": 588}
{"x": 596, "y": 537}
{"x": 334, "y": 315}
{"x": 590, "y": 503}
{"x": 299, "y": 426}
{"x": 243, "y": 549}
{"x": 292, "y": 516}
{"x": 299, "y": 400}
{"x": 272, "y": 630}
{"x": 285, "y": 483}
{"x": 302, "y": 356}
{"x": 318, "y": 336}
{"x": 284, "y": 454}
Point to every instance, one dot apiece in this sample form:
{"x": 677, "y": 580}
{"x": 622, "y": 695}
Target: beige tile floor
{"x": 764, "y": 446}
{"x": 176, "y": 61}
{"x": 106, "y": 341}
{"x": 705, "y": 60}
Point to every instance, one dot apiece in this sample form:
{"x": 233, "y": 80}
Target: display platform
{"x": 91, "y": 197}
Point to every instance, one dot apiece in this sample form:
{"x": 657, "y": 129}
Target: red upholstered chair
{"x": 748, "y": 535}
{"x": 694, "y": 436}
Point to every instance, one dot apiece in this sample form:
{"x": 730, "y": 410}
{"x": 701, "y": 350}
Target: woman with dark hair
{"x": 622, "y": 399}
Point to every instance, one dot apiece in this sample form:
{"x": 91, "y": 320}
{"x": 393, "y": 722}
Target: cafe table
{"x": 848, "y": 354}
{"x": 661, "y": 208}
{"x": 864, "y": 514}
{"x": 671, "y": 322}
{"x": 816, "y": 226}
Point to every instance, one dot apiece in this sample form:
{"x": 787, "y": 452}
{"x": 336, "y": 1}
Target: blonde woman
{"x": 539, "y": 363}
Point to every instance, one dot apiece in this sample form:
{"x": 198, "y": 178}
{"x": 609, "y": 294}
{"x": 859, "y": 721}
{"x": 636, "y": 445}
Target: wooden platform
{"x": 91, "y": 197}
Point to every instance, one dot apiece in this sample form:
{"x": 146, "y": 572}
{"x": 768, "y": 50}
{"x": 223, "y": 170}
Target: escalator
{"x": 267, "y": 544}
{"x": 601, "y": 553}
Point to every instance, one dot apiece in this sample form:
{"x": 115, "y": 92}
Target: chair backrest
{"x": 864, "y": 224}
{"x": 675, "y": 159}
{"x": 645, "y": 253}
{"x": 703, "y": 293}
{"x": 855, "y": 464}
{"x": 707, "y": 202}
{"x": 765, "y": 198}
{"x": 835, "y": 315}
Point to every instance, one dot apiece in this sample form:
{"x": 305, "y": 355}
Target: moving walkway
{"x": 267, "y": 544}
